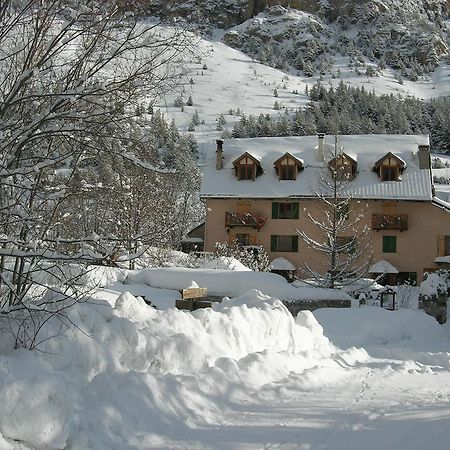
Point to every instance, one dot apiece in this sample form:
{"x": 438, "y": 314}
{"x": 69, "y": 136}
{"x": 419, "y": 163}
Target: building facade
{"x": 262, "y": 191}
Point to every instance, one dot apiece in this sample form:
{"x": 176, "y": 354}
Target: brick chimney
{"x": 321, "y": 147}
{"x": 219, "y": 154}
{"x": 424, "y": 157}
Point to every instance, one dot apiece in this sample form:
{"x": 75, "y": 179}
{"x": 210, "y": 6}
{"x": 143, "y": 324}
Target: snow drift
{"x": 124, "y": 376}
{"x": 231, "y": 283}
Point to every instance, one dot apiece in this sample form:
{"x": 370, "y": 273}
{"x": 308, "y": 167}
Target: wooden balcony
{"x": 390, "y": 222}
{"x": 235, "y": 219}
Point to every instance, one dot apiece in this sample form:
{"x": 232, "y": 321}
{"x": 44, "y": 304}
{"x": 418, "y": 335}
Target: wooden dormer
{"x": 389, "y": 167}
{"x": 287, "y": 167}
{"x": 247, "y": 167}
{"x": 343, "y": 167}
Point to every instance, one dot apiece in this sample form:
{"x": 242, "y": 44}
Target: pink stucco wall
{"x": 417, "y": 247}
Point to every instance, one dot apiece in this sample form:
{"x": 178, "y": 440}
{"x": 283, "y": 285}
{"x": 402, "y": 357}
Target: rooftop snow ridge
{"x": 366, "y": 150}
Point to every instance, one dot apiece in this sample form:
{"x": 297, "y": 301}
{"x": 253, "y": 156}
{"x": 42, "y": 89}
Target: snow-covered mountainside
{"x": 408, "y": 36}
{"x": 265, "y": 56}
{"x": 225, "y": 81}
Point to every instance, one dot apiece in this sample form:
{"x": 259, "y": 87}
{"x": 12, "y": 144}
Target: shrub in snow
{"x": 253, "y": 257}
{"x": 436, "y": 284}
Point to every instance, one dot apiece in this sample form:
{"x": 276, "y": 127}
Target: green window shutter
{"x": 389, "y": 244}
{"x": 295, "y": 210}
{"x": 274, "y": 210}
{"x": 273, "y": 243}
{"x": 295, "y": 243}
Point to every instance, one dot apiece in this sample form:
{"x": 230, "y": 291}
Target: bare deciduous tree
{"x": 71, "y": 75}
{"x": 342, "y": 233}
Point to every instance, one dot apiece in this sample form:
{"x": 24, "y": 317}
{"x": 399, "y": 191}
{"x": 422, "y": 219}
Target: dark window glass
{"x": 284, "y": 243}
{"x": 285, "y": 210}
{"x": 287, "y": 172}
{"x": 243, "y": 239}
{"x": 447, "y": 245}
{"x": 246, "y": 171}
{"x": 389, "y": 173}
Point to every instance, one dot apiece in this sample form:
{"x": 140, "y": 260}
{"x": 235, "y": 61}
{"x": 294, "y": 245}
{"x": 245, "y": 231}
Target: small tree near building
{"x": 342, "y": 234}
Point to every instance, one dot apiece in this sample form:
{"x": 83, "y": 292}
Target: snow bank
{"x": 370, "y": 327}
{"x": 433, "y": 285}
{"x": 138, "y": 373}
{"x": 224, "y": 263}
{"x": 231, "y": 283}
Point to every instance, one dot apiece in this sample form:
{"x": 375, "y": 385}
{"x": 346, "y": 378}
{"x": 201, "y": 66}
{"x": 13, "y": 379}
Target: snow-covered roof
{"x": 443, "y": 259}
{"x": 366, "y": 150}
{"x": 194, "y": 240}
{"x": 383, "y": 266}
{"x": 281, "y": 264}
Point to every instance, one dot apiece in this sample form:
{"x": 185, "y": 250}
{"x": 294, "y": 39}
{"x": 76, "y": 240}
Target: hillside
{"x": 410, "y": 37}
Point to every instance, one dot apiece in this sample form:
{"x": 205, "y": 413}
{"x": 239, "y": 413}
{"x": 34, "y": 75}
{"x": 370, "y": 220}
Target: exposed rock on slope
{"x": 408, "y": 36}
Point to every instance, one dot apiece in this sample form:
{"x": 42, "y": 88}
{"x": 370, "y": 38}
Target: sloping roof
{"x": 281, "y": 264}
{"x": 401, "y": 161}
{"x": 383, "y": 266}
{"x": 288, "y": 155}
{"x": 254, "y": 158}
{"x": 364, "y": 149}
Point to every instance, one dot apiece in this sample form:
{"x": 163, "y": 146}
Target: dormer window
{"x": 287, "y": 167}
{"x": 389, "y": 167}
{"x": 247, "y": 167}
{"x": 343, "y": 167}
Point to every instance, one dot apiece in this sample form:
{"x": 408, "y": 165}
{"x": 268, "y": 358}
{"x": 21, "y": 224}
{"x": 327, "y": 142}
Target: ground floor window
{"x": 389, "y": 244}
{"x": 279, "y": 243}
{"x": 407, "y": 278}
{"x": 242, "y": 239}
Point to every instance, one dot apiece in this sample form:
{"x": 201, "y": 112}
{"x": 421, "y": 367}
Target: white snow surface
{"x": 281, "y": 264}
{"x": 383, "y": 266}
{"x": 244, "y": 376}
{"x": 415, "y": 183}
{"x": 230, "y": 283}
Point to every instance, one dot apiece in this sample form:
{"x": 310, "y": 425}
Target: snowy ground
{"x": 244, "y": 375}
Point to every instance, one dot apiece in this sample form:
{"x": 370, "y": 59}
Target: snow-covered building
{"x": 257, "y": 191}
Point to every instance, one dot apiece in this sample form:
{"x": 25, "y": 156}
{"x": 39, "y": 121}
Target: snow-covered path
{"x": 242, "y": 376}
{"x": 372, "y": 406}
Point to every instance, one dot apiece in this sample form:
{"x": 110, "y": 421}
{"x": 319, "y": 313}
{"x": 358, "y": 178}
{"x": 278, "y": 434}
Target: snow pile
{"x": 138, "y": 373}
{"x": 223, "y": 263}
{"x": 371, "y": 327}
{"x": 434, "y": 285}
{"x": 231, "y": 283}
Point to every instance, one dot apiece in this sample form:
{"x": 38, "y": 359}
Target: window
{"x": 283, "y": 243}
{"x": 389, "y": 173}
{"x": 287, "y": 172}
{"x": 242, "y": 239}
{"x": 285, "y": 210}
{"x": 389, "y": 244}
{"x": 343, "y": 168}
{"x": 443, "y": 245}
{"x": 407, "y": 278}
{"x": 287, "y": 167}
{"x": 389, "y": 167}
{"x": 245, "y": 169}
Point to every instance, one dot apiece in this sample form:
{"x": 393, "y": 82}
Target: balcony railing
{"x": 390, "y": 222}
{"x": 246, "y": 219}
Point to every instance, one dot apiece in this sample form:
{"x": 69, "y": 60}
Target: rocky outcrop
{"x": 408, "y": 35}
